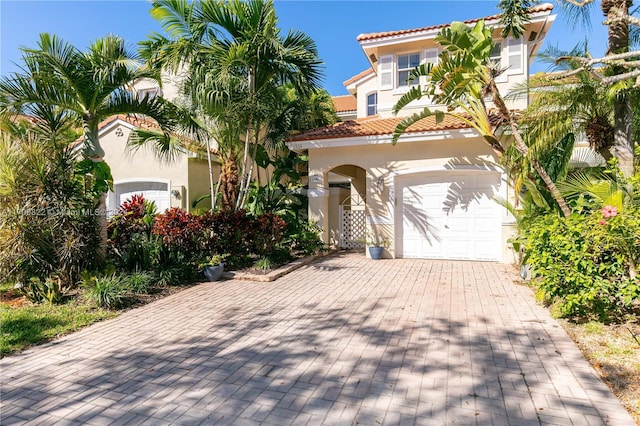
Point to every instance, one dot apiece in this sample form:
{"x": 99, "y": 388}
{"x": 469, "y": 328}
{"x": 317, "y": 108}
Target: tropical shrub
{"x": 180, "y": 234}
{"x": 304, "y": 236}
{"x": 140, "y": 282}
{"x": 48, "y": 224}
{"x": 131, "y": 242}
{"x": 227, "y": 232}
{"x": 38, "y": 291}
{"x": 108, "y": 291}
{"x": 584, "y": 264}
{"x": 268, "y": 233}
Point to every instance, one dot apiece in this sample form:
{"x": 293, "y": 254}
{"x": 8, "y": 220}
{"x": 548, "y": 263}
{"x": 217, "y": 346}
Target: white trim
{"x": 383, "y": 139}
{"x": 142, "y": 179}
{"x": 448, "y": 168}
{"x": 115, "y": 123}
{"x": 353, "y": 85}
{"x": 318, "y": 193}
{"x": 430, "y": 34}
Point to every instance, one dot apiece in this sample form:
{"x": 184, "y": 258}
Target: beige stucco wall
{"x": 199, "y": 182}
{"x": 381, "y": 164}
{"x": 144, "y": 164}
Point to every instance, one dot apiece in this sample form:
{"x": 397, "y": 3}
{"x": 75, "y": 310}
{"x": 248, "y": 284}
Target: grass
{"x": 23, "y": 326}
{"x": 615, "y": 354}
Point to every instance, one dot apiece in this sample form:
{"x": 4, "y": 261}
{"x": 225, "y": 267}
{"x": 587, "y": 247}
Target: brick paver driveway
{"x": 344, "y": 340}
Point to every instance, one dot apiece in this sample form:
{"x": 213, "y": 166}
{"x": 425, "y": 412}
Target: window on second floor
{"x": 149, "y": 93}
{"x": 406, "y": 64}
{"x": 495, "y": 58}
{"x": 372, "y": 103}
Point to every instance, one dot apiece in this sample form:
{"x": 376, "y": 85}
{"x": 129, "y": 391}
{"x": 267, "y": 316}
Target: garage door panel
{"x": 458, "y": 217}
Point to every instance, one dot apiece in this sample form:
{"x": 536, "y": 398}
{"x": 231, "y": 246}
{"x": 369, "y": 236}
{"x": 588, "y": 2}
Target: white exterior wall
{"x": 388, "y": 97}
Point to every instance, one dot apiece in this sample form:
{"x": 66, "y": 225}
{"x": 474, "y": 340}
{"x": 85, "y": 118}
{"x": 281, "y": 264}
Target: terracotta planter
{"x": 213, "y": 272}
{"x": 376, "y": 252}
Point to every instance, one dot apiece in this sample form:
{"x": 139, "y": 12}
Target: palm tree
{"x": 59, "y": 84}
{"x": 234, "y": 56}
{"x": 559, "y": 106}
{"x": 514, "y": 18}
{"x": 461, "y": 80}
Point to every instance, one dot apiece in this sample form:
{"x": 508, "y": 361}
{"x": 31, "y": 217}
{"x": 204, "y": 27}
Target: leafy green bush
{"x": 303, "y": 236}
{"x": 107, "y": 292}
{"x": 38, "y": 291}
{"x": 48, "y": 224}
{"x": 585, "y": 263}
{"x": 140, "y": 282}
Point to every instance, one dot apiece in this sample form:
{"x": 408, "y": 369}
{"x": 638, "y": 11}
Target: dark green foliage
{"x": 583, "y": 263}
{"x": 303, "y": 236}
{"x": 140, "y": 282}
{"x": 38, "y": 291}
{"x": 48, "y": 221}
{"x": 107, "y": 292}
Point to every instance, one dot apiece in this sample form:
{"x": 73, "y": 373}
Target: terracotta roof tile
{"x": 382, "y": 126}
{"x": 138, "y": 121}
{"x": 372, "y": 36}
{"x": 345, "y": 103}
{"x": 358, "y": 76}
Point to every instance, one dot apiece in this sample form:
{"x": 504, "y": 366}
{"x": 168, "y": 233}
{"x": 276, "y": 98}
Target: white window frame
{"x": 375, "y": 105}
{"x": 151, "y": 92}
{"x": 515, "y": 55}
{"x": 409, "y": 69}
{"x": 502, "y": 78}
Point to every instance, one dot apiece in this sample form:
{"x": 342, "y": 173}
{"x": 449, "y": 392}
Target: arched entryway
{"x": 331, "y": 193}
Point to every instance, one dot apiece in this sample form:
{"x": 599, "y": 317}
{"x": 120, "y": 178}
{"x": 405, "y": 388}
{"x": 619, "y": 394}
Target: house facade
{"x": 432, "y": 194}
{"x": 175, "y": 183}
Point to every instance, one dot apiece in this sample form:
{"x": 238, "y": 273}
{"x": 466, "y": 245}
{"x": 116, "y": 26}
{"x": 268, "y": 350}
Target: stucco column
{"x": 319, "y": 201}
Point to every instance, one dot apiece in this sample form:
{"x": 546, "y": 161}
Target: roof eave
{"x": 462, "y": 133}
{"x": 535, "y": 17}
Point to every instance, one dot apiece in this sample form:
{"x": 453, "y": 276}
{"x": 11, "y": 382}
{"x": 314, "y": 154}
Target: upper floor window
{"x": 495, "y": 58}
{"x": 372, "y": 104}
{"x": 149, "y": 93}
{"x": 406, "y": 63}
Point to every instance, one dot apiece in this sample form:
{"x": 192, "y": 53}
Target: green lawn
{"x": 23, "y": 326}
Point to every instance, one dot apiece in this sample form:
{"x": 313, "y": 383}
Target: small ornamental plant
{"x": 375, "y": 240}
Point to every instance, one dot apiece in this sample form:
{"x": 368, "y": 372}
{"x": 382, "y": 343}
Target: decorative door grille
{"x": 352, "y": 223}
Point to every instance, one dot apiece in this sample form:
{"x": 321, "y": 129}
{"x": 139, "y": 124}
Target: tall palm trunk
{"x": 228, "y": 183}
{"x": 244, "y": 179}
{"x": 211, "y": 189}
{"x": 618, "y": 40}
{"x": 523, "y": 149}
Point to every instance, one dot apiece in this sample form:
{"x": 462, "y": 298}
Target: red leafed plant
{"x": 179, "y": 230}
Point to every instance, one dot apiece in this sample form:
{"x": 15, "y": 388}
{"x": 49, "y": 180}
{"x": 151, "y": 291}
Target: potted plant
{"x": 376, "y": 245}
{"x": 213, "y": 268}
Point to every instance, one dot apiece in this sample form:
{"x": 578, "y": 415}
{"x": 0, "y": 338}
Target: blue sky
{"x": 334, "y": 25}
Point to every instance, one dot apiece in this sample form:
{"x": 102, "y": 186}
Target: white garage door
{"x": 449, "y": 215}
{"x": 158, "y": 192}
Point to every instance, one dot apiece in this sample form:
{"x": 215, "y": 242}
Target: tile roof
{"x": 345, "y": 103}
{"x": 141, "y": 122}
{"x": 358, "y": 76}
{"x": 145, "y": 123}
{"x": 372, "y": 126}
{"x": 544, "y": 7}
